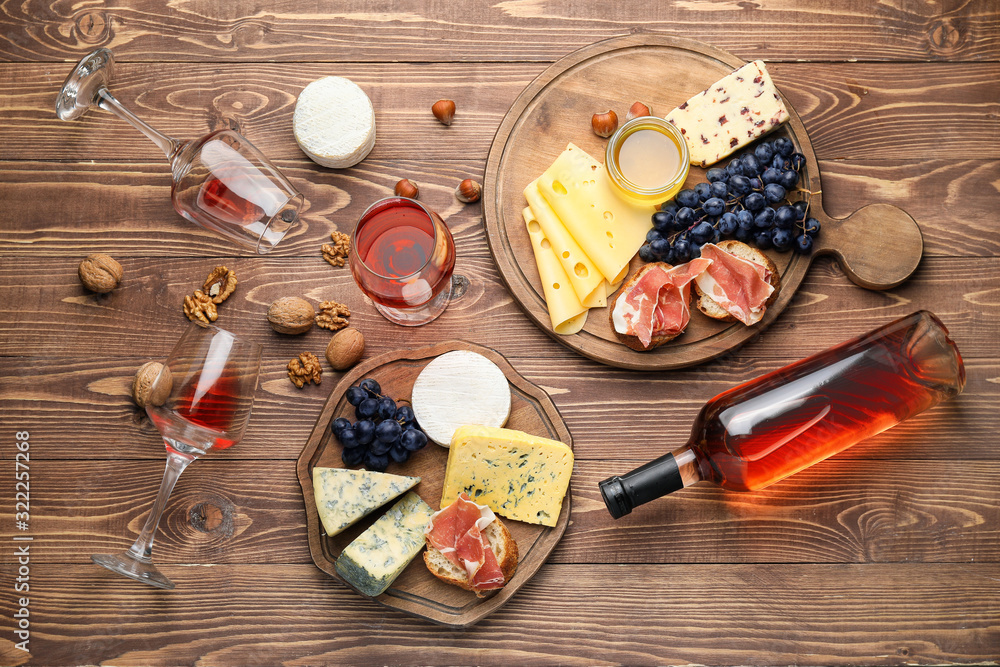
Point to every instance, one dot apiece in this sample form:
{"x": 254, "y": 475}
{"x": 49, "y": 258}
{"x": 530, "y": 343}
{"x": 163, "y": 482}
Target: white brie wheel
{"x": 334, "y": 122}
{"x": 459, "y": 388}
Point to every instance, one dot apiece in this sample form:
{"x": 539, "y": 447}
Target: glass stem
{"x": 108, "y": 102}
{"x": 142, "y": 549}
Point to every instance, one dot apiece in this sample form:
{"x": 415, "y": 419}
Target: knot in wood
{"x": 93, "y": 27}
{"x": 947, "y": 35}
{"x": 459, "y": 286}
{"x": 208, "y": 517}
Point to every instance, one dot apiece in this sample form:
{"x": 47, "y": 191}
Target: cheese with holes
{"x": 456, "y": 388}
{"x": 584, "y": 276}
{"x": 334, "y": 122}
{"x": 566, "y": 312}
{"x": 519, "y": 476}
{"x": 609, "y": 229}
{"x": 729, "y": 114}
{"x": 344, "y": 496}
{"x": 373, "y": 561}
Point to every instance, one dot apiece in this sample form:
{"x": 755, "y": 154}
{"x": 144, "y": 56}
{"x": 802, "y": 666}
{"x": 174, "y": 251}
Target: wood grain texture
{"x": 520, "y": 30}
{"x": 909, "y": 613}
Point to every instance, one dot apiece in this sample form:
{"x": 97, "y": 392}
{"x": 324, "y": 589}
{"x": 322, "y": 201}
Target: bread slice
{"x": 504, "y": 548}
{"x": 709, "y": 307}
{"x": 628, "y": 339}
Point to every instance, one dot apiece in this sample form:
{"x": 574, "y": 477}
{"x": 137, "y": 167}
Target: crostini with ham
{"x": 739, "y": 284}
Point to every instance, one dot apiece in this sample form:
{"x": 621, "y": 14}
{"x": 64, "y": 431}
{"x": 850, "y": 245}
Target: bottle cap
{"x": 648, "y": 482}
{"x": 614, "y": 497}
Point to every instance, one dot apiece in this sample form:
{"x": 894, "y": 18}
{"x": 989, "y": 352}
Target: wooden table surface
{"x": 886, "y": 554}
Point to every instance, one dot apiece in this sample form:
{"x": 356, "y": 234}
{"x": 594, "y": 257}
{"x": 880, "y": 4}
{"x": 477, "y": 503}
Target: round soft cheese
{"x": 334, "y": 122}
{"x": 456, "y": 389}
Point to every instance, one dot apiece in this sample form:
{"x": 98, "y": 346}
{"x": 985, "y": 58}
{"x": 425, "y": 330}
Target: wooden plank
{"x": 483, "y": 30}
{"x": 78, "y": 409}
{"x": 61, "y": 208}
{"x": 227, "y": 511}
{"x": 872, "y": 614}
{"x": 852, "y": 111}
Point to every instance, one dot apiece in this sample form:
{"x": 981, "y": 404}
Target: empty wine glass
{"x": 220, "y": 181}
{"x": 200, "y": 401}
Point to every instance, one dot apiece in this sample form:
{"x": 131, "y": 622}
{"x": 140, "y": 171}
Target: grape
{"x": 715, "y": 174}
{"x": 703, "y": 190}
{"x": 811, "y": 227}
{"x": 804, "y": 244}
{"x": 652, "y": 235}
{"x": 355, "y": 395}
{"x": 348, "y": 438}
{"x": 762, "y": 239}
{"x": 386, "y": 408}
{"x": 352, "y": 457}
{"x": 754, "y": 202}
{"x": 662, "y": 220}
{"x": 671, "y": 257}
{"x": 728, "y": 223}
{"x": 765, "y": 218}
{"x": 720, "y": 189}
{"x": 801, "y": 207}
{"x": 413, "y": 440}
{"x": 714, "y": 206}
{"x": 756, "y": 183}
{"x": 371, "y": 386}
{"x": 744, "y": 219}
{"x": 366, "y": 409}
{"x": 774, "y": 193}
{"x": 399, "y": 454}
{"x": 764, "y": 153}
{"x": 695, "y": 251}
{"x": 785, "y": 217}
{"x": 751, "y": 165}
{"x": 789, "y": 179}
{"x": 339, "y": 424}
{"x": 404, "y": 415}
{"x": 783, "y": 146}
{"x": 682, "y": 249}
{"x": 702, "y": 233}
{"x": 739, "y": 185}
{"x": 782, "y": 239}
{"x": 779, "y": 162}
{"x": 646, "y": 254}
{"x": 365, "y": 431}
{"x": 669, "y": 207}
{"x": 376, "y": 462}
{"x": 685, "y": 217}
{"x": 770, "y": 175}
{"x": 744, "y": 234}
{"x": 379, "y": 447}
{"x": 687, "y": 199}
{"x": 388, "y": 430}
{"x": 797, "y": 160}
{"x": 660, "y": 248}
{"x": 734, "y": 168}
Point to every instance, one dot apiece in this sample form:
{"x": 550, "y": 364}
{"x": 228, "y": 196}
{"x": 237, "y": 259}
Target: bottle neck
{"x": 653, "y": 480}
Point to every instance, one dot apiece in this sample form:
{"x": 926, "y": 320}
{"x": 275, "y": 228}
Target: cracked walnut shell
{"x": 336, "y": 254}
{"x": 220, "y": 284}
{"x": 332, "y": 315}
{"x": 305, "y": 369}
{"x": 100, "y": 273}
{"x": 199, "y": 307}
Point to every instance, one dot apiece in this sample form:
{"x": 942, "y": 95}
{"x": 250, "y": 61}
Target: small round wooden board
{"x": 878, "y": 246}
{"x": 416, "y": 591}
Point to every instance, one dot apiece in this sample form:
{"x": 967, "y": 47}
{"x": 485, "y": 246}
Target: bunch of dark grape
{"x": 748, "y": 200}
{"x": 383, "y": 431}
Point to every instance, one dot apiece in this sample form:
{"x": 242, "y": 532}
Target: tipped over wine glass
{"x": 220, "y": 181}
{"x": 200, "y": 401}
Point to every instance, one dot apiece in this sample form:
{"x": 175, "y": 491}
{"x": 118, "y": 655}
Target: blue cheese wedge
{"x": 729, "y": 114}
{"x": 373, "y": 561}
{"x": 334, "y": 122}
{"x": 519, "y": 476}
{"x": 344, "y": 496}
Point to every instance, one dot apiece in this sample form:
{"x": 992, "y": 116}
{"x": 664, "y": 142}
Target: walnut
{"x": 291, "y": 315}
{"x": 332, "y": 315}
{"x": 152, "y": 384}
{"x": 305, "y": 369}
{"x": 337, "y": 253}
{"x": 221, "y": 282}
{"x": 345, "y": 349}
{"x": 100, "y": 273}
{"x": 200, "y": 308}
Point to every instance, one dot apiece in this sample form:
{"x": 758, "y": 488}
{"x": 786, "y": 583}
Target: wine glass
{"x": 200, "y": 401}
{"x": 220, "y": 181}
{"x": 402, "y": 256}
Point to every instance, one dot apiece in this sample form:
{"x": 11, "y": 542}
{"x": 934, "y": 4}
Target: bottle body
{"x": 769, "y": 428}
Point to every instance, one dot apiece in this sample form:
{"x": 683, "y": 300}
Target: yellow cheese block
{"x": 609, "y": 229}
{"x": 585, "y": 278}
{"x": 568, "y": 315}
{"x": 519, "y": 476}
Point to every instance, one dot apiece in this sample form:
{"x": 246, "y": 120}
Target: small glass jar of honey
{"x": 647, "y": 160}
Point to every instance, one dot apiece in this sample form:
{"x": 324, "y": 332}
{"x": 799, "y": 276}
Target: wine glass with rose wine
{"x": 200, "y": 401}
{"x": 220, "y": 181}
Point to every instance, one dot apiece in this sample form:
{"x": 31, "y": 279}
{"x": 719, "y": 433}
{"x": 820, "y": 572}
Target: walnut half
{"x": 221, "y": 282}
{"x": 337, "y": 253}
{"x": 199, "y": 307}
{"x": 306, "y": 368}
{"x": 332, "y": 315}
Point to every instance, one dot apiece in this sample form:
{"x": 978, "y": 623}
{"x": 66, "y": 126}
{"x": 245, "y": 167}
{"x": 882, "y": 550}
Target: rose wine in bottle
{"x": 767, "y": 429}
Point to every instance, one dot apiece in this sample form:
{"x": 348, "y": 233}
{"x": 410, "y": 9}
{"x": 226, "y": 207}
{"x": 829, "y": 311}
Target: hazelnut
{"x": 152, "y": 384}
{"x": 345, "y": 349}
{"x": 637, "y": 110}
{"x": 468, "y": 191}
{"x": 444, "y": 111}
{"x": 407, "y": 188}
{"x": 291, "y": 315}
{"x": 100, "y": 273}
{"x": 605, "y": 124}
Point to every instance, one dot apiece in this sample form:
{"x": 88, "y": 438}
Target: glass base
{"x": 414, "y": 317}
{"x": 133, "y": 568}
{"x": 79, "y": 91}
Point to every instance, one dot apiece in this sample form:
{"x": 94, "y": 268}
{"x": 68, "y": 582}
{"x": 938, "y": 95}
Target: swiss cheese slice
{"x": 344, "y": 496}
{"x": 584, "y": 276}
{"x": 456, "y": 388}
{"x": 334, "y": 122}
{"x": 566, "y": 312}
{"x": 609, "y": 229}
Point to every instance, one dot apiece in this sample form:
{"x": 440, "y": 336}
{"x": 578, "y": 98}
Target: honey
{"x": 647, "y": 159}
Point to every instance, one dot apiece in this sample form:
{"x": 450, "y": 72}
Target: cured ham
{"x": 657, "y": 304}
{"x": 739, "y": 286}
{"x": 457, "y": 532}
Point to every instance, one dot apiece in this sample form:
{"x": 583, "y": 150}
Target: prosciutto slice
{"x": 740, "y": 286}
{"x": 657, "y": 303}
{"x": 457, "y": 532}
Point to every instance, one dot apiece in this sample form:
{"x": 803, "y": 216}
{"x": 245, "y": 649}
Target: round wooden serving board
{"x": 878, "y": 246}
{"x": 416, "y": 591}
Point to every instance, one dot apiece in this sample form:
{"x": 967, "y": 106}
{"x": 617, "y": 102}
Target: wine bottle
{"x": 764, "y": 430}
